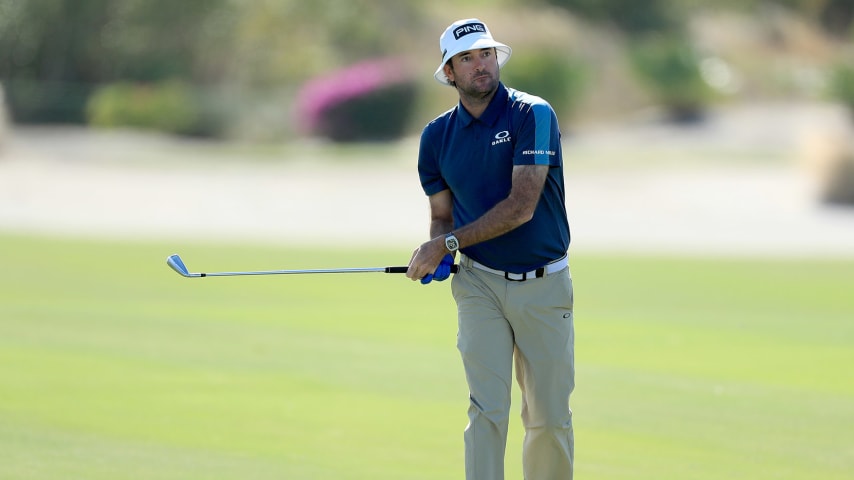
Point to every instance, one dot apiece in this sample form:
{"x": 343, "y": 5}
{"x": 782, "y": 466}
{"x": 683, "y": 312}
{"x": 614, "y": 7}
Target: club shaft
{"x": 296, "y": 272}
{"x": 401, "y": 269}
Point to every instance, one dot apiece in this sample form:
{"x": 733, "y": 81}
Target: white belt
{"x": 549, "y": 269}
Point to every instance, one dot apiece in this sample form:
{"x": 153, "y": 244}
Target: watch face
{"x": 451, "y": 243}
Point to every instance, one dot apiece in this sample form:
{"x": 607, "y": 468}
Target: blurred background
{"x": 273, "y": 70}
{"x": 636, "y": 84}
{"x": 709, "y": 164}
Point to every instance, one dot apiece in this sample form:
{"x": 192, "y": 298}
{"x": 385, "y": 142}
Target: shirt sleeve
{"x": 538, "y": 137}
{"x": 428, "y": 162}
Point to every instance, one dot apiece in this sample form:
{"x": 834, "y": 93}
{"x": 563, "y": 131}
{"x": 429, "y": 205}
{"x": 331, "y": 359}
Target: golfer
{"x": 493, "y": 171}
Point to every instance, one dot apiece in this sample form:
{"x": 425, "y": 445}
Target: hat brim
{"x": 502, "y": 52}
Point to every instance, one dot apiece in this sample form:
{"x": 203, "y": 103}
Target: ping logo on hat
{"x": 469, "y": 28}
{"x": 464, "y": 35}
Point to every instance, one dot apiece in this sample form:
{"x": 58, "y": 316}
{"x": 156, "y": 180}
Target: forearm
{"x": 440, "y": 227}
{"x": 515, "y": 210}
{"x": 502, "y": 218}
{"x": 510, "y": 213}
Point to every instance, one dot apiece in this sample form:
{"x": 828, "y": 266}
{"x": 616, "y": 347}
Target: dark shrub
{"x": 38, "y": 101}
{"x": 369, "y": 101}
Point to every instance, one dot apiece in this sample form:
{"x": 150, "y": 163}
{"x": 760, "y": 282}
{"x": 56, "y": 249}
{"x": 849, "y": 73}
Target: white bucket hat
{"x": 464, "y": 35}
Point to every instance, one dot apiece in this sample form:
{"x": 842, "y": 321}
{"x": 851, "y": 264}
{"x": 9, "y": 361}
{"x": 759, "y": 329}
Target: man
{"x": 493, "y": 171}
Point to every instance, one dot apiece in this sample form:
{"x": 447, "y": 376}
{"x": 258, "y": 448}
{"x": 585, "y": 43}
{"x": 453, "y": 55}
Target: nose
{"x": 480, "y": 65}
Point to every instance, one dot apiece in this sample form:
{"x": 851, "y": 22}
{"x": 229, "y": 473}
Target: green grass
{"x": 114, "y": 367}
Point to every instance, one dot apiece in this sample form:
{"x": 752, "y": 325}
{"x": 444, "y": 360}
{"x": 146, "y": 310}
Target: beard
{"x": 479, "y": 86}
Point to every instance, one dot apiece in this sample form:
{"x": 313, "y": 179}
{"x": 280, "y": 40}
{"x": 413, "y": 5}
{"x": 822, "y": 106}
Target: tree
{"x": 54, "y": 53}
{"x": 630, "y": 16}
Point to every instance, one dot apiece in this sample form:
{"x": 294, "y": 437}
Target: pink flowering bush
{"x": 368, "y": 101}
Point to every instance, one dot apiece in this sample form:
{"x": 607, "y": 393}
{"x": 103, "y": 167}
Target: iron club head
{"x": 177, "y": 264}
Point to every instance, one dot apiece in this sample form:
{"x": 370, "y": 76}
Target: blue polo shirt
{"x": 474, "y": 159}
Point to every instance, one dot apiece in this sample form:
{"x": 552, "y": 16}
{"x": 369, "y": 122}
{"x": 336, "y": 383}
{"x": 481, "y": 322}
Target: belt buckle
{"x": 524, "y": 277}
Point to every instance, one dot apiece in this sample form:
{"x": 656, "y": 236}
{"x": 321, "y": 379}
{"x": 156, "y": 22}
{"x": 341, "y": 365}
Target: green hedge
{"x": 841, "y": 85}
{"x": 558, "y": 77}
{"x": 669, "y": 67}
{"x": 169, "y": 107}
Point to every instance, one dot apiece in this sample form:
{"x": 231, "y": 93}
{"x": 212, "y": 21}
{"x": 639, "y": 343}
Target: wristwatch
{"x": 451, "y": 242}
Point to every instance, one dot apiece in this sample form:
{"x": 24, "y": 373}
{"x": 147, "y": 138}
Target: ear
{"x": 449, "y": 71}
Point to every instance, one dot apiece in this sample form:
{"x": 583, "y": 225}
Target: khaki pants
{"x": 530, "y": 324}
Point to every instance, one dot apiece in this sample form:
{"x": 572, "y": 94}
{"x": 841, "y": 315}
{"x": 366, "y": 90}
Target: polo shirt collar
{"x": 490, "y": 115}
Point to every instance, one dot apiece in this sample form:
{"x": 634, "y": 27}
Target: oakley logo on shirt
{"x": 501, "y": 137}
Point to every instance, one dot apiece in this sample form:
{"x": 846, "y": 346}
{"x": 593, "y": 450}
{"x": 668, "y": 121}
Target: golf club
{"x": 175, "y": 262}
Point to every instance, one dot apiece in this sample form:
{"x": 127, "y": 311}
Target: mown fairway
{"x": 114, "y": 367}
